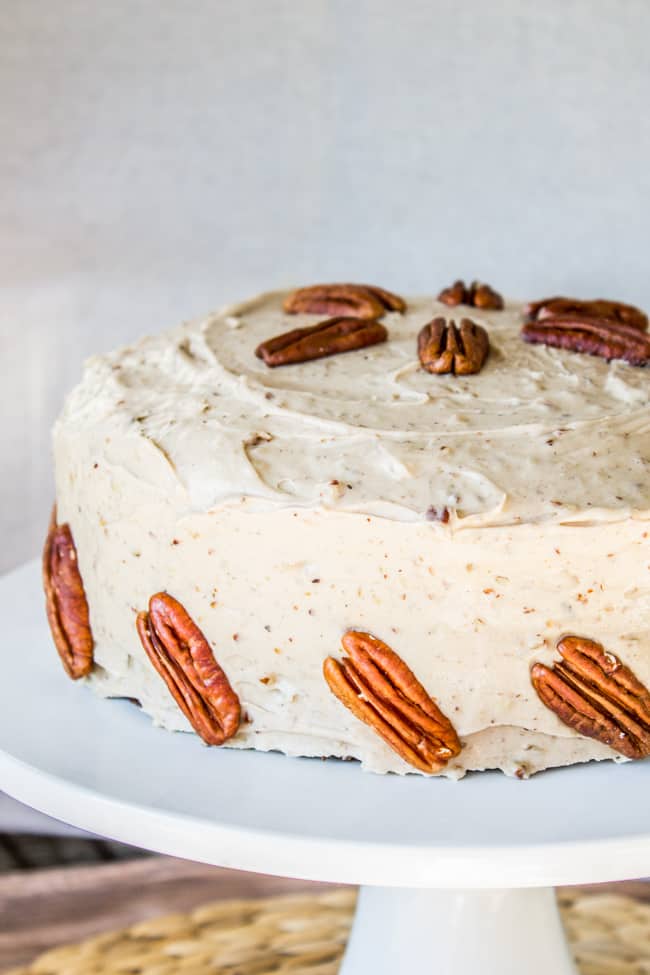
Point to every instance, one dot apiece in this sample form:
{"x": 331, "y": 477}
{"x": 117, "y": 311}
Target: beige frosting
{"x": 539, "y": 434}
{"x": 283, "y": 506}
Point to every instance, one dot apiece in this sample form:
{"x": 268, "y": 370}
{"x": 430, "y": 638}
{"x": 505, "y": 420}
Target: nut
{"x": 378, "y": 687}
{"x": 604, "y": 337}
{"x": 478, "y": 295}
{"x": 65, "y": 601}
{"x": 437, "y": 514}
{"x": 455, "y": 294}
{"x": 182, "y": 656}
{"x": 592, "y": 692}
{"x": 598, "y": 308}
{"x": 443, "y": 347}
{"x": 330, "y": 337}
{"x": 357, "y": 300}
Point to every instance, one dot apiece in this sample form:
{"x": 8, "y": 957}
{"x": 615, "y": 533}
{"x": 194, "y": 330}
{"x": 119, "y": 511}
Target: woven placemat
{"x": 306, "y": 935}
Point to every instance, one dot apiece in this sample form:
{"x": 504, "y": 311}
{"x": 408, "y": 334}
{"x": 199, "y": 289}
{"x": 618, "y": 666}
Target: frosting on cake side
{"x": 284, "y": 506}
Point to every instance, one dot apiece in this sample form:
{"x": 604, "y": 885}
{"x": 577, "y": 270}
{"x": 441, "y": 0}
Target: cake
{"x": 338, "y": 523}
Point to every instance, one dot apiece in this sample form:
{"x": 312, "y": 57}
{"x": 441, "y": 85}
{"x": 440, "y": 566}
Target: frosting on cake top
{"x": 539, "y": 434}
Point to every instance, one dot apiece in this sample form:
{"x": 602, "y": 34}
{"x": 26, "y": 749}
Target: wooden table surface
{"x": 40, "y": 909}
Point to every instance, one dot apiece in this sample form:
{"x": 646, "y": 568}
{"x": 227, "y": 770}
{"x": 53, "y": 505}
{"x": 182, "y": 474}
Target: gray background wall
{"x": 158, "y": 158}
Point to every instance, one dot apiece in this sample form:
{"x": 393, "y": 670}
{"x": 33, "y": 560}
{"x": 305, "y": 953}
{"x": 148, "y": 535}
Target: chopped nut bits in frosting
{"x": 470, "y": 521}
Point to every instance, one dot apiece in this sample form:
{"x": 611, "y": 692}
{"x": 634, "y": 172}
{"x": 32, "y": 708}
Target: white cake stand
{"x": 457, "y": 877}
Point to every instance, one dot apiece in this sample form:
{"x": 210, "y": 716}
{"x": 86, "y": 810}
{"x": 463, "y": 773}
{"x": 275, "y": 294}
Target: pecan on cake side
{"x": 383, "y": 692}
{"x": 65, "y": 601}
{"x": 469, "y": 519}
{"x": 591, "y": 691}
{"x": 182, "y": 656}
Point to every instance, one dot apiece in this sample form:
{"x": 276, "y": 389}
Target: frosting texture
{"x": 285, "y": 506}
{"x": 540, "y": 434}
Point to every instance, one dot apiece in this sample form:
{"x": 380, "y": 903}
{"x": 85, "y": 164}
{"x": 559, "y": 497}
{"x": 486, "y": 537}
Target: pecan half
{"x": 598, "y": 308}
{"x": 65, "y": 601}
{"x": 330, "y": 337}
{"x": 378, "y": 687}
{"x": 603, "y": 337}
{"x": 444, "y": 347}
{"x": 182, "y": 656}
{"x": 455, "y": 294}
{"x": 356, "y": 300}
{"x": 592, "y": 692}
{"x": 478, "y": 295}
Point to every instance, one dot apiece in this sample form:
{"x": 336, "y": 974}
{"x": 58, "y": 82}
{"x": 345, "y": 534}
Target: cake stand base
{"x": 457, "y": 932}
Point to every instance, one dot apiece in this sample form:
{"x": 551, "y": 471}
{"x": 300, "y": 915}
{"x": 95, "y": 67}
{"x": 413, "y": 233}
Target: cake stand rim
{"x": 327, "y": 860}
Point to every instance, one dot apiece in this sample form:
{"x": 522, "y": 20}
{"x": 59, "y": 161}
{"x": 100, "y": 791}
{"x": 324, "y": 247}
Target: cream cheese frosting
{"x": 283, "y": 506}
{"x": 539, "y": 434}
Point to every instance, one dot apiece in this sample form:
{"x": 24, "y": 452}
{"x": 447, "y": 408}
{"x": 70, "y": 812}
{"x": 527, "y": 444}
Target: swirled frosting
{"x": 284, "y": 506}
{"x": 540, "y": 434}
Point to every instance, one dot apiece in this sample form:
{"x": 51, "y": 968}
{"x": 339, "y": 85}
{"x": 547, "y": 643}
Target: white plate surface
{"x": 102, "y": 766}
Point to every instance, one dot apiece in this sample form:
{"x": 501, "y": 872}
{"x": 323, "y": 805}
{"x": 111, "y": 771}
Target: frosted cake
{"x": 337, "y": 522}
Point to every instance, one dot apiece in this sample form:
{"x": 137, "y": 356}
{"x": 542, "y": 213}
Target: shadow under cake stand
{"x": 455, "y": 877}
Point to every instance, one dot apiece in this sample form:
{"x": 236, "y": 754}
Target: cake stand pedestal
{"x": 456, "y": 877}
{"x": 457, "y": 932}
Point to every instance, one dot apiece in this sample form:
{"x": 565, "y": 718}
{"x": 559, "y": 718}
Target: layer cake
{"x": 426, "y": 521}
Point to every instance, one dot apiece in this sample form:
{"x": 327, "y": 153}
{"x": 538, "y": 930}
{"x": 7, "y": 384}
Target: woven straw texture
{"x": 306, "y": 935}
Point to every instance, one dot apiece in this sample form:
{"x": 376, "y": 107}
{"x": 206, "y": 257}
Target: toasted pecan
{"x": 349, "y": 300}
{"x": 382, "y": 691}
{"x": 591, "y": 691}
{"x": 182, "y": 656}
{"x": 444, "y": 347}
{"x": 331, "y": 337}
{"x": 65, "y": 601}
{"x": 478, "y": 295}
{"x": 603, "y": 337}
{"x": 559, "y": 306}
